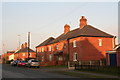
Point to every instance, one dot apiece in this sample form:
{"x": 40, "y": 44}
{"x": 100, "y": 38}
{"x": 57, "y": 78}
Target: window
{"x": 75, "y": 57}
{"x": 74, "y": 43}
{"x": 100, "y": 42}
{"x": 50, "y": 48}
{"x": 23, "y": 54}
{"x": 42, "y": 58}
{"x": 56, "y": 46}
{"x": 60, "y": 58}
{"x": 50, "y": 57}
{"x": 42, "y": 49}
{"x": 64, "y": 45}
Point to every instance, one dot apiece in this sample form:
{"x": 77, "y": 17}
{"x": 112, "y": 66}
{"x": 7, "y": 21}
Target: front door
{"x": 113, "y": 61}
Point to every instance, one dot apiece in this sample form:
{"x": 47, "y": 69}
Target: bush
{"x": 7, "y": 62}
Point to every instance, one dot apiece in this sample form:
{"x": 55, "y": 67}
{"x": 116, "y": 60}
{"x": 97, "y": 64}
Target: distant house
{"x": 11, "y": 57}
{"x": 22, "y": 54}
{"x": 113, "y": 56}
{"x": 5, "y": 56}
{"x": 85, "y": 45}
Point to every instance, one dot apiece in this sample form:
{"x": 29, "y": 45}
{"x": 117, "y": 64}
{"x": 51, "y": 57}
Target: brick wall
{"x": 88, "y": 48}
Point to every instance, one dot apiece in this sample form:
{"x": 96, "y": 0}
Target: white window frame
{"x": 64, "y": 46}
{"x": 42, "y": 59}
{"x": 50, "y": 48}
{"x": 74, "y": 43}
{"x": 23, "y": 54}
{"x": 50, "y": 57}
{"x": 42, "y": 49}
{"x": 75, "y": 56}
{"x": 60, "y": 58}
{"x": 56, "y": 46}
{"x": 100, "y": 42}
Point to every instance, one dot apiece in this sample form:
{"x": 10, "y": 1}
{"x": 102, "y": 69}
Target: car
{"x": 21, "y": 63}
{"x": 14, "y": 63}
{"x": 33, "y": 63}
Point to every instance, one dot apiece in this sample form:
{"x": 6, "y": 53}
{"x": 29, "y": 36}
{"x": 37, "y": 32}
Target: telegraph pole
{"x": 19, "y": 44}
{"x": 19, "y": 40}
{"x": 28, "y": 44}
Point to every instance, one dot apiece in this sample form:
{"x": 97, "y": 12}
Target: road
{"x": 9, "y": 71}
{"x": 23, "y": 73}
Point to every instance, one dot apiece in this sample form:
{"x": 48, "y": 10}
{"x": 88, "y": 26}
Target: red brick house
{"x": 22, "y": 54}
{"x": 5, "y": 56}
{"x": 85, "y": 45}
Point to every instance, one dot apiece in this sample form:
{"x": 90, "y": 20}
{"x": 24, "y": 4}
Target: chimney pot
{"x": 22, "y": 46}
{"x": 83, "y": 22}
{"x": 66, "y": 28}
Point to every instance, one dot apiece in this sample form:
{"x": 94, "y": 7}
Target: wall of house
{"x": 118, "y": 57}
{"x": 88, "y": 48}
{"x": 24, "y": 55}
{"x": 46, "y": 53}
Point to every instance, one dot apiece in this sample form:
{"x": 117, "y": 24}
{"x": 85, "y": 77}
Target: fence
{"x": 97, "y": 68}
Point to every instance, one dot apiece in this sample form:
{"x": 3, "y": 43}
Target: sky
{"x": 46, "y": 19}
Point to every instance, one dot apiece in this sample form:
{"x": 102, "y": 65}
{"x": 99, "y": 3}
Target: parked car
{"x": 14, "y": 63}
{"x": 33, "y": 63}
{"x": 21, "y": 63}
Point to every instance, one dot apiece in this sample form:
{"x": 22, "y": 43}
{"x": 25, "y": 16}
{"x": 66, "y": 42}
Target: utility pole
{"x": 19, "y": 44}
{"x": 28, "y": 44}
{"x": 19, "y": 40}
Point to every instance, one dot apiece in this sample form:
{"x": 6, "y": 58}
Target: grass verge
{"x": 80, "y": 75}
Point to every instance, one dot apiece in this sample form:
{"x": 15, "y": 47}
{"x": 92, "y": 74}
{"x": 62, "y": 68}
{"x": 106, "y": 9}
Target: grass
{"x": 57, "y": 66}
{"x": 110, "y": 71}
{"x": 80, "y": 75}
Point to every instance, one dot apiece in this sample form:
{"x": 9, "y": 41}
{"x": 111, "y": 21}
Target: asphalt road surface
{"x": 23, "y": 73}
{"x": 9, "y": 71}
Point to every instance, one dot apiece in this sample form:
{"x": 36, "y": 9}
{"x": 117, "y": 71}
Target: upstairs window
{"x": 100, "y": 42}
{"x": 56, "y": 46}
{"x": 42, "y": 49}
{"x": 50, "y": 48}
{"x": 23, "y": 54}
{"x": 74, "y": 43}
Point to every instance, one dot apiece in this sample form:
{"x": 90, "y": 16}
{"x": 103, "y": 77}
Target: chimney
{"x": 25, "y": 45}
{"x": 66, "y": 28}
{"x": 22, "y": 46}
{"x": 83, "y": 22}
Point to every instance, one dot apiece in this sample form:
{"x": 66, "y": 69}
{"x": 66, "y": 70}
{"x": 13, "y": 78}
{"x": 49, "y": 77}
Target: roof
{"x": 116, "y": 47}
{"x": 24, "y": 50}
{"x": 46, "y": 42}
{"x": 87, "y": 31}
{"x": 10, "y": 51}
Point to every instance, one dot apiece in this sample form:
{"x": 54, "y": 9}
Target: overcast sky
{"x": 46, "y": 19}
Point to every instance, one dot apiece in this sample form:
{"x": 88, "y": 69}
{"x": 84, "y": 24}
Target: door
{"x": 113, "y": 61}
